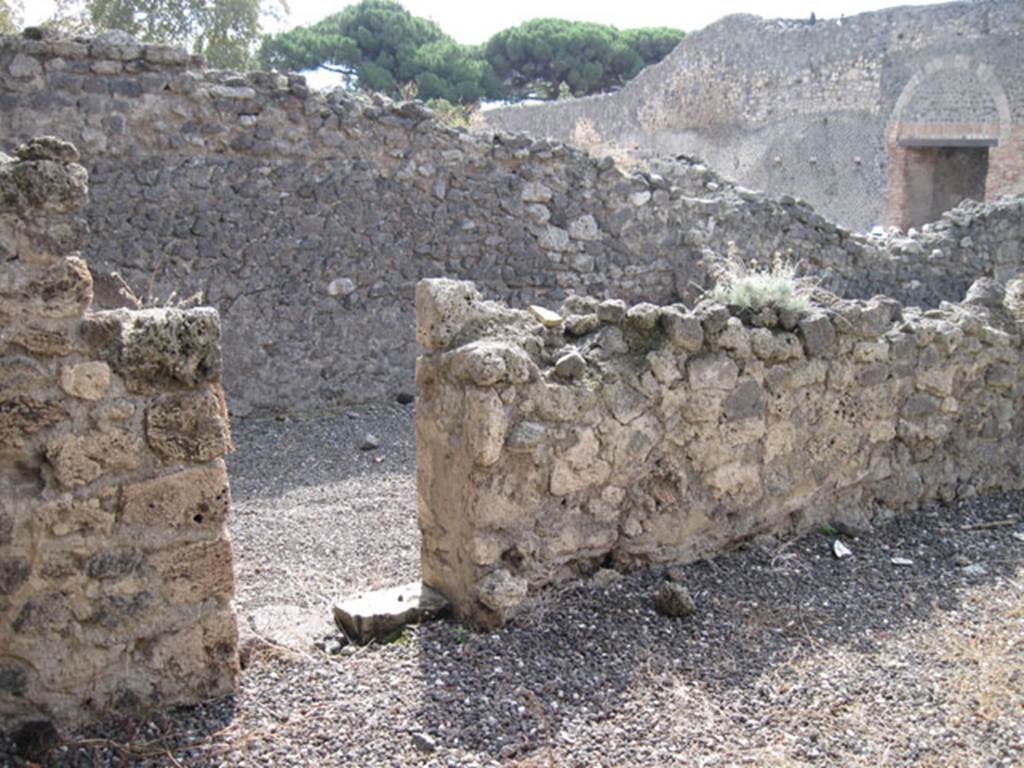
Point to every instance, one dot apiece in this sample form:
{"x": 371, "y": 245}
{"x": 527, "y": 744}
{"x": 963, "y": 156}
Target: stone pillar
{"x": 115, "y": 567}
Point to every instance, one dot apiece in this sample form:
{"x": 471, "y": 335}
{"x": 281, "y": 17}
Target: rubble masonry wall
{"x": 115, "y": 566}
{"x": 820, "y": 109}
{"x": 307, "y": 218}
{"x": 551, "y": 445}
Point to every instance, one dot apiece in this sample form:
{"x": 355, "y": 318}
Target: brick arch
{"x": 907, "y": 135}
{"x": 936, "y": 68}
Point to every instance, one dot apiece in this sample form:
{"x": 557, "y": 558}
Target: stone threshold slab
{"x": 381, "y": 615}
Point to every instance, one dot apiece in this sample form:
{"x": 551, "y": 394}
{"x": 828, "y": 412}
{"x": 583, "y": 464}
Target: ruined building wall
{"x": 115, "y": 567}
{"x": 306, "y": 219}
{"x": 827, "y": 111}
{"x": 552, "y": 444}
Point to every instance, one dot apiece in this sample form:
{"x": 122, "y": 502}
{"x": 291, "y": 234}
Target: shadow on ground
{"x": 583, "y": 652}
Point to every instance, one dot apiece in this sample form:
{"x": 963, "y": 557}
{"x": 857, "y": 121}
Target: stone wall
{"x": 306, "y": 218}
{"x": 551, "y": 444}
{"x": 822, "y": 110}
{"x": 115, "y": 566}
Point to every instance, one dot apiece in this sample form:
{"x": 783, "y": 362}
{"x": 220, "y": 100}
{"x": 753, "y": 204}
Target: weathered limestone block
{"x": 579, "y": 466}
{"x": 87, "y": 381}
{"x": 188, "y": 426}
{"x": 571, "y": 366}
{"x": 684, "y": 331}
{"x": 713, "y": 371}
{"x": 502, "y": 593}
{"x": 443, "y": 308}
{"x": 581, "y": 325}
{"x": 158, "y": 348}
{"x": 485, "y": 426}
{"x": 817, "y": 333}
{"x": 23, "y": 415}
{"x": 195, "y": 499}
{"x": 197, "y": 662}
{"x": 46, "y": 179}
{"x": 72, "y": 515}
{"x": 639, "y": 325}
{"x": 116, "y": 45}
{"x": 22, "y": 375}
{"x": 61, "y": 291}
{"x": 195, "y": 572}
{"x": 78, "y": 460}
{"x": 611, "y": 311}
{"x": 487, "y": 363}
{"x": 775, "y": 347}
{"x": 868, "y": 320}
{"x": 39, "y": 339}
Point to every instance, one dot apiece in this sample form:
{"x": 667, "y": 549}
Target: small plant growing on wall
{"x": 756, "y": 287}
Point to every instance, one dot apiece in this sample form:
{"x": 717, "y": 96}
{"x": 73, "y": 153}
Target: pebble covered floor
{"x": 793, "y": 657}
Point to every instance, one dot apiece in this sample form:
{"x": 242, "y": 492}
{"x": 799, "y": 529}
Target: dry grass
{"x": 747, "y": 285}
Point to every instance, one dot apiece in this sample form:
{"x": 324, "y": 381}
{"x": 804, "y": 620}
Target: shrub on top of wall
{"x": 777, "y": 287}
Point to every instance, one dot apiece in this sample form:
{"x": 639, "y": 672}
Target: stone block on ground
{"x": 382, "y": 614}
{"x": 674, "y": 600}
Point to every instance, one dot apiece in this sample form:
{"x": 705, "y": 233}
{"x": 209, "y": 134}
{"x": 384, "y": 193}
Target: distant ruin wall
{"x": 550, "y": 444}
{"x": 821, "y": 110}
{"x": 115, "y": 567}
{"x": 306, "y": 219}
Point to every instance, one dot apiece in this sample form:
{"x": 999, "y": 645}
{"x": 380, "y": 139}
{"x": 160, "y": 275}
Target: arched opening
{"x": 948, "y": 125}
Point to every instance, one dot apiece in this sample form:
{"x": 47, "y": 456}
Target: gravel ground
{"x": 793, "y": 657}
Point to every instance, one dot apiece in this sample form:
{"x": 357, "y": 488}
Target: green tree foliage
{"x": 225, "y": 31}
{"x": 10, "y": 16}
{"x": 536, "y": 57}
{"x": 382, "y": 47}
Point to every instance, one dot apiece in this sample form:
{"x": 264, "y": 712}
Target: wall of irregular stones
{"x": 115, "y": 567}
{"x": 306, "y": 219}
{"x": 550, "y": 444}
{"x": 819, "y": 109}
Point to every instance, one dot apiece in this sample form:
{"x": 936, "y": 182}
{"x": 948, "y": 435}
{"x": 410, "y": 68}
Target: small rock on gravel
{"x": 674, "y": 600}
{"x": 369, "y": 442}
{"x": 605, "y": 577}
{"x": 853, "y": 524}
{"x": 840, "y": 550}
{"x": 424, "y": 743}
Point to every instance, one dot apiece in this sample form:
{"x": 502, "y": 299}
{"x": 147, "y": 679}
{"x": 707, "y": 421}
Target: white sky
{"x": 474, "y": 22}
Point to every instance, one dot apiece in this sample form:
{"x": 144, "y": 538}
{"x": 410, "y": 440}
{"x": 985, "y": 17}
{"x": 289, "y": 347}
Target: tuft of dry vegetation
{"x": 777, "y": 286}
